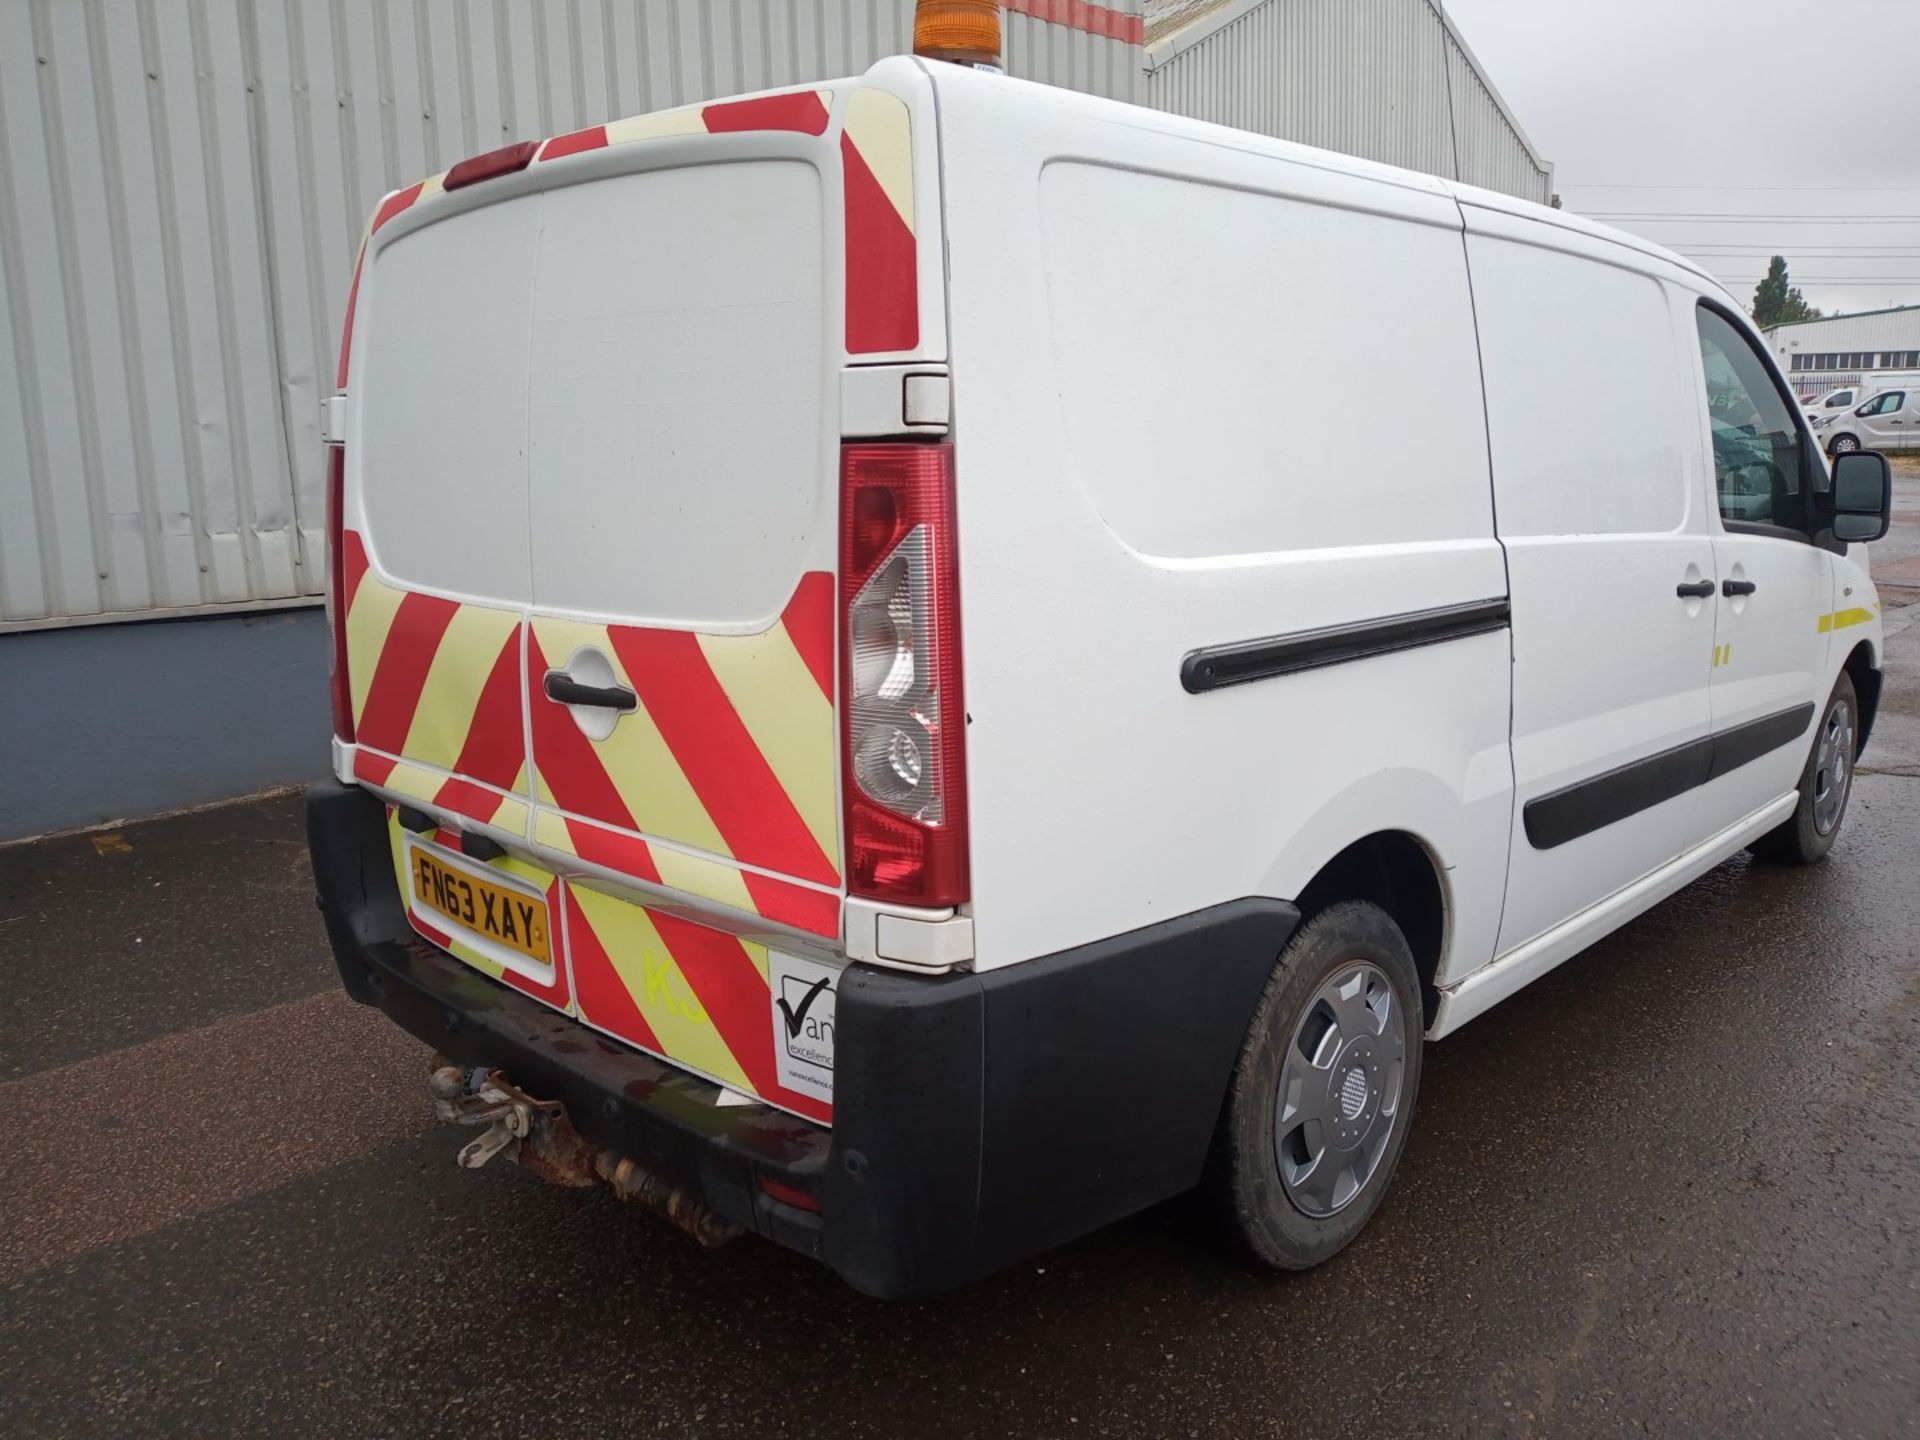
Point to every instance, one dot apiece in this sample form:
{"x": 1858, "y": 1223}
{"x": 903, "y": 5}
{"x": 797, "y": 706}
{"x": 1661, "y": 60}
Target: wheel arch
{"x": 1399, "y": 872}
{"x": 1866, "y": 676}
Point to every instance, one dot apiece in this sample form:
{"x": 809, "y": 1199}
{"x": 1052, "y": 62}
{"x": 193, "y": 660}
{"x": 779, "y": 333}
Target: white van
{"x": 858, "y": 720}
{"x": 1889, "y": 419}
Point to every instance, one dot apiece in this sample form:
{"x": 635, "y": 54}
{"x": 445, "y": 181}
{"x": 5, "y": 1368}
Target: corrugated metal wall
{"x": 1366, "y": 77}
{"x": 182, "y": 183}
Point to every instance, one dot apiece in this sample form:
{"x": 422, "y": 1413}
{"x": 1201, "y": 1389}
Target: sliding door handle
{"x": 1697, "y": 590}
{"x": 1731, "y": 588}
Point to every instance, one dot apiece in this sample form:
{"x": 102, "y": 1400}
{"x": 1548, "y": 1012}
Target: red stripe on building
{"x": 739, "y": 790}
{"x": 353, "y": 566}
{"x": 883, "y": 278}
{"x": 798, "y": 110}
{"x": 573, "y": 142}
{"x": 1080, "y": 15}
{"x": 565, "y": 757}
{"x": 809, "y": 622}
{"x": 795, "y": 905}
{"x": 401, "y": 672}
{"x": 604, "y": 998}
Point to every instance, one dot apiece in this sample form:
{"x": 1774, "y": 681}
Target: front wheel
{"x": 1323, "y": 1093}
{"x": 1825, "y": 785}
{"x": 1843, "y": 445}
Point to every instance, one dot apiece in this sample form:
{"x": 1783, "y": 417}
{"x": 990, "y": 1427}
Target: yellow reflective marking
{"x": 551, "y": 831}
{"x": 780, "y": 703}
{"x": 368, "y": 620}
{"x": 635, "y": 756}
{"x": 709, "y": 879}
{"x": 648, "y": 971}
{"x": 758, "y": 954}
{"x": 684, "y": 121}
{"x": 881, "y": 129}
{"x": 511, "y": 815}
{"x": 413, "y": 782}
{"x": 1840, "y": 619}
{"x": 451, "y": 695}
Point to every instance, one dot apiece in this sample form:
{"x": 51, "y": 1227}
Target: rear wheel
{"x": 1825, "y": 785}
{"x": 1323, "y": 1093}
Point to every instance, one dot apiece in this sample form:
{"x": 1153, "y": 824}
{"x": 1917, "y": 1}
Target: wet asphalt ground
{"x": 1671, "y": 1189}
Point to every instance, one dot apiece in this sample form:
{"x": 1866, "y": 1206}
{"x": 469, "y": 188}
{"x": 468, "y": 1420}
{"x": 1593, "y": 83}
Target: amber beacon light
{"x": 966, "y": 32}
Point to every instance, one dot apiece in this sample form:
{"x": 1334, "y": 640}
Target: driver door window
{"x": 1756, "y": 445}
{"x": 1887, "y": 404}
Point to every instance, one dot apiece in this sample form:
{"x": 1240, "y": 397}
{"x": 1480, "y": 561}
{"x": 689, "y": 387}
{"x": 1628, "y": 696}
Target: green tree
{"x": 1776, "y": 302}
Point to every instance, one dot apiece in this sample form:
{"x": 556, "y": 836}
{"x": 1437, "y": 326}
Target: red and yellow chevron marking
{"x": 436, "y": 693}
{"x": 557, "y": 993}
{"x": 730, "y": 751}
{"x": 800, "y": 906}
{"x": 804, "y": 111}
{"x": 694, "y": 996}
{"x": 883, "y": 266}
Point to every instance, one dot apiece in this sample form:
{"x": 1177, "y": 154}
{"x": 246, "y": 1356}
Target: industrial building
{"x": 1819, "y": 355}
{"x": 181, "y": 192}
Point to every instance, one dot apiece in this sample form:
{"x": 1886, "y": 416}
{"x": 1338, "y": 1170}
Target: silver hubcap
{"x": 1340, "y": 1089}
{"x": 1845, "y": 444}
{"x": 1833, "y": 768}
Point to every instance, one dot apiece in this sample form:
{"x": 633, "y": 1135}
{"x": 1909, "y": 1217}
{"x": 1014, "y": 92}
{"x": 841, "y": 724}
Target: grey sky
{"x": 1707, "y": 95}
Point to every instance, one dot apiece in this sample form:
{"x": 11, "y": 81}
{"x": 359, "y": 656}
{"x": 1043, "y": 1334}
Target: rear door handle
{"x": 1698, "y": 590}
{"x": 1737, "y": 587}
{"x": 563, "y": 688}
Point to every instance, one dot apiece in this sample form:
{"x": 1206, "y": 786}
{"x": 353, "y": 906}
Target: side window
{"x": 1840, "y": 400}
{"x": 1756, "y": 446}
{"x": 1883, "y": 404}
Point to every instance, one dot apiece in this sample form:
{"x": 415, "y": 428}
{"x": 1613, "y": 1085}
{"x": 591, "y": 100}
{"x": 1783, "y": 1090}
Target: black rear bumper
{"x": 978, "y": 1119}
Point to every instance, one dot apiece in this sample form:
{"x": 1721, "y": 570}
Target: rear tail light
{"x": 902, "y": 714}
{"x": 337, "y": 591}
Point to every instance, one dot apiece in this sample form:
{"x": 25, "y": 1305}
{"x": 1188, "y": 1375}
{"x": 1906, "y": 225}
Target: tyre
{"x": 1825, "y": 785}
{"x": 1843, "y": 445}
{"x": 1323, "y": 1093}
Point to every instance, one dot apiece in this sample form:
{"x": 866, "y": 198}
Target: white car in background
{"x": 1834, "y": 402}
{"x": 1887, "y": 420}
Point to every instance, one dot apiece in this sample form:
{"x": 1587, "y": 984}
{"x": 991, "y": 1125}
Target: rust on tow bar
{"x": 538, "y": 1136}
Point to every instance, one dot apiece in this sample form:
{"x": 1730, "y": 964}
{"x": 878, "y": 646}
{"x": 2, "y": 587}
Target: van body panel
{"x": 1147, "y": 466}
{"x": 1601, "y": 524}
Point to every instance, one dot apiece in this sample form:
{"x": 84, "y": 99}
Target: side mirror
{"x": 1862, "y": 496}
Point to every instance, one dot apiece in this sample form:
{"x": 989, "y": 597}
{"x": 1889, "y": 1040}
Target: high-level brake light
{"x": 902, "y": 715}
{"x": 966, "y": 32}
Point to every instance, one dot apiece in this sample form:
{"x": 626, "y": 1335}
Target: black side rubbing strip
{"x": 1214, "y": 667}
{"x": 1590, "y": 805}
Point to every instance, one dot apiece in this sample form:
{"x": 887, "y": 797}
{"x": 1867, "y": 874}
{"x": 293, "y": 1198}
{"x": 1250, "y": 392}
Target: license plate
{"x": 473, "y": 902}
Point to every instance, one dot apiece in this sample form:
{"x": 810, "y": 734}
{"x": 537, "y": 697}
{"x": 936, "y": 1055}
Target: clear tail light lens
{"x": 903, "y": 716}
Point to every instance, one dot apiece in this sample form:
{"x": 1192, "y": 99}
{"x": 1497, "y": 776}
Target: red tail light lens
{"x": 337, "y": 590}
{"x": 490, "y": 166}
{"x": 903, "y": 715}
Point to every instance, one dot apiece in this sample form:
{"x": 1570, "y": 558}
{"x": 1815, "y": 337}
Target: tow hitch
{"x": 538, "y": 1135}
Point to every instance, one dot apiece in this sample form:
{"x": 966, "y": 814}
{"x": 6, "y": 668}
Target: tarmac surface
{"x": 1671, "y": 1189}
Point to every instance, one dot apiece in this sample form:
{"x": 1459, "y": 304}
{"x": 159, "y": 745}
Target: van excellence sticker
{"x": 802, "y": 1023}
